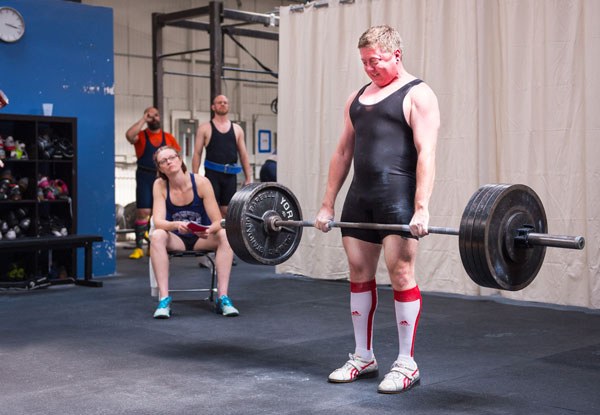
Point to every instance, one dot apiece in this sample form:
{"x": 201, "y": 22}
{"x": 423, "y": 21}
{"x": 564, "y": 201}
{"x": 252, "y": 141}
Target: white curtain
{"x": 518, "y": 87}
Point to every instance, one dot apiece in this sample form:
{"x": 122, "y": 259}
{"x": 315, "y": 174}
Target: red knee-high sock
{"x": 363, "y": 303}
{"x": 408, "y": 310}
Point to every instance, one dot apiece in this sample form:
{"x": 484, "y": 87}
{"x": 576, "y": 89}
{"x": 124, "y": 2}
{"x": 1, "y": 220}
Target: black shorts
{"x": 143, "y": 191}
{"x": 392, "y": 203}
{"x": 188, "y": 239}
{"x": 224, "y": 185}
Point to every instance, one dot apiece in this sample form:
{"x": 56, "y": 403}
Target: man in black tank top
{"x": 390, "y": 132}
{"x": 223, "y": 140}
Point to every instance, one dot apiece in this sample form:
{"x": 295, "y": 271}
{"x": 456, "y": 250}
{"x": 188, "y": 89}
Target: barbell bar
{"x": 502, "y": 235}
{"x": 531, "y": 238}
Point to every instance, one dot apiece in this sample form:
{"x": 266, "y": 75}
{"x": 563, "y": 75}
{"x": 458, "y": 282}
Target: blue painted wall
{"x": 66, "y": 58}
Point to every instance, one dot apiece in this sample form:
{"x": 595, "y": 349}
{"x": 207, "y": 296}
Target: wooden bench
{"x": 46, "y": 243}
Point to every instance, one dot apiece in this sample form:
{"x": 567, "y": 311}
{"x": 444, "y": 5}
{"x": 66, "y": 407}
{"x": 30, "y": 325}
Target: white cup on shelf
{"x": 47, "y": 109}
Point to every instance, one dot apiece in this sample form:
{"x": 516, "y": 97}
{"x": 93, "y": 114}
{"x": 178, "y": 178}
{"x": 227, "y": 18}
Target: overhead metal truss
{"x": 216, "y": 29}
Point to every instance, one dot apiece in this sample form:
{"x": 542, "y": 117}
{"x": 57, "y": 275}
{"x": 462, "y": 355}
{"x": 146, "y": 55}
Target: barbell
{"x": 502, "y": 236}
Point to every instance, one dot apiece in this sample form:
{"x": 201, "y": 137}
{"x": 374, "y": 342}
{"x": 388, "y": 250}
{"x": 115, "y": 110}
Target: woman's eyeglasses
{"x": 167, "y": 159}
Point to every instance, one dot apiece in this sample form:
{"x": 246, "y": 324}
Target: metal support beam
{"x": 188, "y": 24}
{"x": 266, "y": 19}
{"x": 215, "y": 28}
{"x": 194, "y": 75}
{"x": 258, "y": 34}
{"x": 157, "y": 66}
{"x": 183, "y": 52}
{"x": 169, "y": 18}
{"x": 233, "y": 69}
{"x": 254, "y": 81}
{"x": 216, "y": 47}
{"x": 237, "y": 31}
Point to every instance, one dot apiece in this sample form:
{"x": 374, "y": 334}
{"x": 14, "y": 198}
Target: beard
{"x": 154, "y": 125}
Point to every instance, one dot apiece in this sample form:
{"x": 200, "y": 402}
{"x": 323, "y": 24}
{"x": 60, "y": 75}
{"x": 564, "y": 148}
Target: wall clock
{"x": 12, "y": 25}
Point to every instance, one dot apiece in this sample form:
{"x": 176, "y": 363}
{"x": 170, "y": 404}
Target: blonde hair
{"x": 384, "y": 36}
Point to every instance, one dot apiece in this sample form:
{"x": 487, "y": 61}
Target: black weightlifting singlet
{"x": 385, "y": 166}
{"x": 222, "y": 147}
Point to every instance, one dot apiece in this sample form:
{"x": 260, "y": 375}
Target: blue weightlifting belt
{"x": 223, "y": 168}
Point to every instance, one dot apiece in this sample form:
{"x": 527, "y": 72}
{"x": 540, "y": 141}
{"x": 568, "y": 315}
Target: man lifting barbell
{"x": 390, "y": 132}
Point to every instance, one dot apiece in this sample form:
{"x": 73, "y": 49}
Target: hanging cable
{"x": 273, "y": 74}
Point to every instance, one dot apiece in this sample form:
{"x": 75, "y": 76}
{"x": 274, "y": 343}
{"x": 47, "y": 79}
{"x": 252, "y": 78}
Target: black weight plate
{"x": 248, "y": 234}
{"x": 471, "y": 244}
{"x": 514, "y": 268}
{"x": 465, "y": 230}
{"x": 233, "y": 223}
{"x": 480, "y": 226}
{"x": 466, "y": 243}
{"x": 129, "y": 215}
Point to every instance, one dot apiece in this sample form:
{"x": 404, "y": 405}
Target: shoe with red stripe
{"x": 401, "y": 378}
{"x": 354, "y": 369}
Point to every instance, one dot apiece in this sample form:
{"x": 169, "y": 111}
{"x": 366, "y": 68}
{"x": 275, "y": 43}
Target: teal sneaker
{"x": 164, "y": 308}
{"x": 225, "y": 307}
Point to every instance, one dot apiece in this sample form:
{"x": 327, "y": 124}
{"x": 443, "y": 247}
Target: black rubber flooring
{"x": 80, "y": 350}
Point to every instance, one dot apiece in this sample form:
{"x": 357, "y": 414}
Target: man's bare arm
{"x": 199, "y": 144}
{"x": 132, "y": 132}
{"x": 241, "y": 147}
{"x": 425, "y": 123}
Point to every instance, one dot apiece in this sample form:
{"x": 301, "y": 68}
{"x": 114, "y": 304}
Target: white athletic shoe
{"x": 402, "y": 377}
{"x": 354, "y": 369}
{"x": 164, "y": 308}
{"x": 225, "y": 307}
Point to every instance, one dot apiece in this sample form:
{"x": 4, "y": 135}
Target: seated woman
{"x": 179, "y": 198}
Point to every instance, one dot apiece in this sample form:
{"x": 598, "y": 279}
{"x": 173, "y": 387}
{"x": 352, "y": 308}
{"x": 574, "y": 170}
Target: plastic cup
{"x": 47, "y": 109}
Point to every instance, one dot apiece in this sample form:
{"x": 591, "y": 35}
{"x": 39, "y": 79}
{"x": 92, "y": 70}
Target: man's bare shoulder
{"x": 205, "y": 129}
{"x": 351, "y": 98}
{"x": 424, "y": 107}
{"x": 353, "y": 94}
{"x": 237, "y": 128}
{"x": 204, "y": 125}
{"x": 422, "y": 91}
